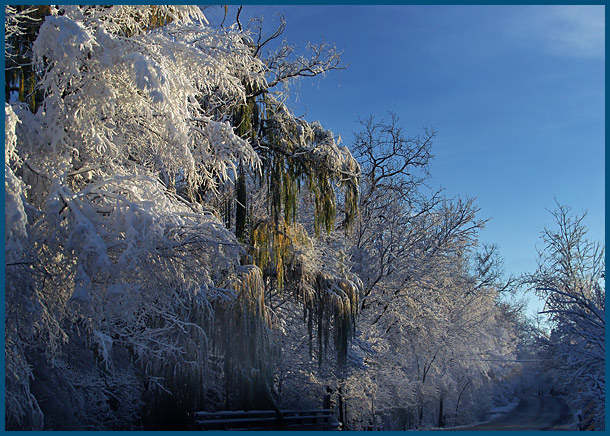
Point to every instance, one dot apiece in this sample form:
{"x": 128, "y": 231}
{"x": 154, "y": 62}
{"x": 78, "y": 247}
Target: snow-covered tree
{"x": 123, "y": 294}
{"x": 571, "y": 280}
{"x": 431, "y": 336}
{"x": 439, "y": 347}
{"x": 305, "y": 175}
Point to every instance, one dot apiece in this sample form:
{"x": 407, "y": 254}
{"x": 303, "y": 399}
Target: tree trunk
{"x": 441, "y": 421}
{"x": 457, "y": 404}
{"x": 342, "y": 414}
{"x": 373, "y": 411}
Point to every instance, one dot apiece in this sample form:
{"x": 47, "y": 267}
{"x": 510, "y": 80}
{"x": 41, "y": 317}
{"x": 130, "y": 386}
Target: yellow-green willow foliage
{"x": 294, "y": 154}
{"x": 274, "y": 246}
{"x": 330, "y": 300}
{"x": 299, "y": 153}
{"x": 334, "y": 304}
{"x": 331, "y": 303}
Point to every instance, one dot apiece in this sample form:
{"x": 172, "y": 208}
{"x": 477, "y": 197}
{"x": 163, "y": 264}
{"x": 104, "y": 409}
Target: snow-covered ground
{"x": 494, "y": 413}
{"x": 542, "y": 412}
{"x": 499, "y": 411}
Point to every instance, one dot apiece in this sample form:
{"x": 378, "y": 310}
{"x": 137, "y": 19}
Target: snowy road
{"x": 533, "y": 413}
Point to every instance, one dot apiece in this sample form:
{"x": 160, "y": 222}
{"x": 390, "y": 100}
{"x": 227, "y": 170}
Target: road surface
{"x": 542, "y": 412}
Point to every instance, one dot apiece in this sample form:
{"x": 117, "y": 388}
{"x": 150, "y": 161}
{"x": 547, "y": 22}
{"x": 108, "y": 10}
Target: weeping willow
{"x": 296, "y": 156}
{"x": 231, "y": 357}
{"x": 185, "y": 384}
{"x": 330, "y": 300}
{"x": 331, "y": 303}
{"x": 300, "y": 153}
{"x": 244, "y": 337}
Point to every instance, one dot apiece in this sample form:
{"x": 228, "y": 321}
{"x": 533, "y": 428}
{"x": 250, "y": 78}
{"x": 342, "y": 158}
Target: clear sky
{"x": 516, "y": 93}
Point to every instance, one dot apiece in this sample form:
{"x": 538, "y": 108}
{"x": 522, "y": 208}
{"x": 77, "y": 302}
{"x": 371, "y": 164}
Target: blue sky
{"x": 516, "y": 93}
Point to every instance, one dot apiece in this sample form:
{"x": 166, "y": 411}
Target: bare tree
{"x": 401, "y": 228}
{"x": 283, "y": 64}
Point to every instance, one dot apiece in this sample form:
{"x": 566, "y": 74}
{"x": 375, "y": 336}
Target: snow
{"x": 64, "y": 40}
{"x": 498, "y": 411}
{"x": 10, "y": 138}
{"x": 149, "y": 76}
{"x": 104, "y": 344}
{"x": 15, "y": 218}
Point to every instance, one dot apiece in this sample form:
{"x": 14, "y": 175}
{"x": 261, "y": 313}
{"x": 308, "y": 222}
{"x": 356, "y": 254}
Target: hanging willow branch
{"x": 295, "y": 153}
{"x": 330, "y": 300}
{"x": 243, "y": 334}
